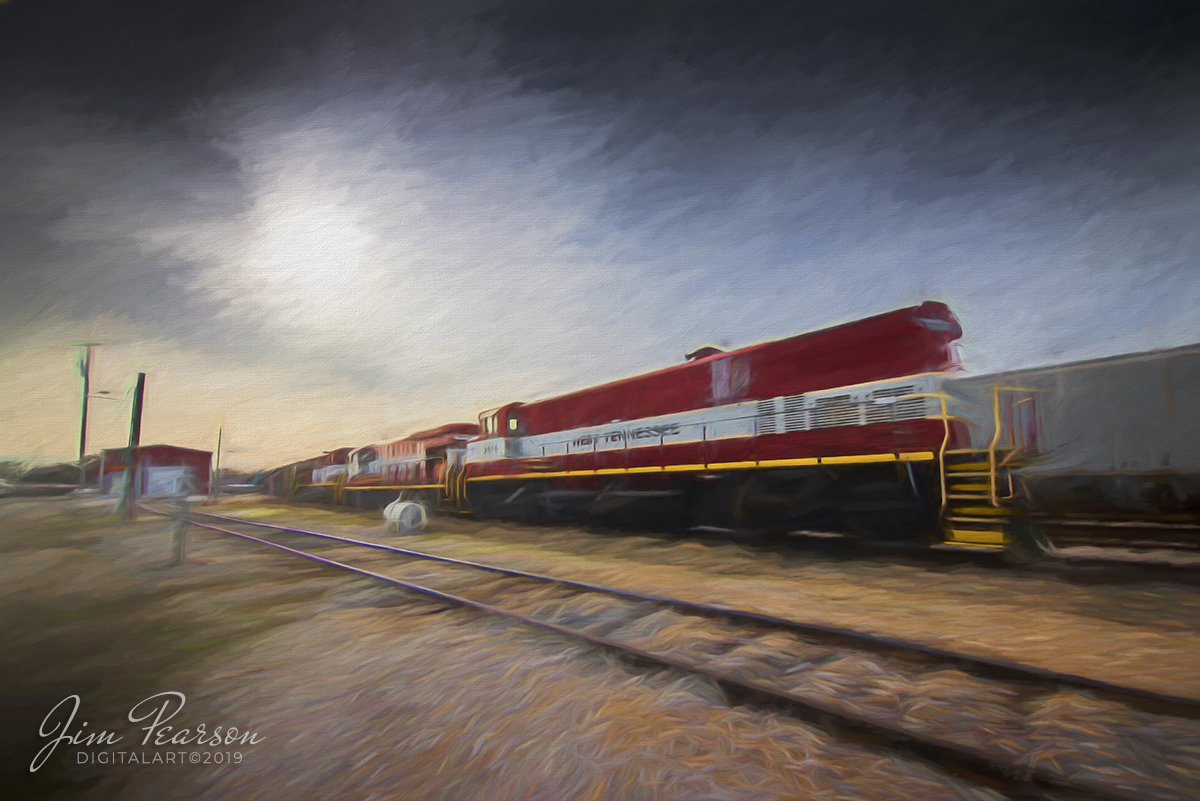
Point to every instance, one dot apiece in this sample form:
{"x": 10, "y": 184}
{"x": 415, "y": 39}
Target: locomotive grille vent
{"x": 894, "y": 410}
{"x": 793, "y": 413}
{"x": 764, "y": 421}
{"x": 839, "y": 410}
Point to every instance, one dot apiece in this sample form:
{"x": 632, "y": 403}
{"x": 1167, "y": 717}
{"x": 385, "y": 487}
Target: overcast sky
{"x": 332, "y": 223}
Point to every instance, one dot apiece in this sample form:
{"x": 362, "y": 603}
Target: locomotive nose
{"x": 937, "y": 317}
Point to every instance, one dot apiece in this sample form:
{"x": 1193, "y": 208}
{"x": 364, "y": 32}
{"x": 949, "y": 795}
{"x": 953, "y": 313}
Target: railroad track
{"x": 1103, "y": 534}
{"x": 1023, "y": 730}
{"x": 1109, "y": 560}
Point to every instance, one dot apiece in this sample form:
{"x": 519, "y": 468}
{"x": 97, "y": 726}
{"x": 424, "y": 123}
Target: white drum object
{"x": 405, "y": 517}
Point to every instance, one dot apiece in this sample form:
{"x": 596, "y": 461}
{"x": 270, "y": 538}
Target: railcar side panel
{"x": 1111, "y": 437}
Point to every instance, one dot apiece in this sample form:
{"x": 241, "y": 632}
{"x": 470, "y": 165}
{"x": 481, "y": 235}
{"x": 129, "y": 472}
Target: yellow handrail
{"x": 945, "y": 417}
{"x": 993, "y": 468}
{"x": 454, "y": 481}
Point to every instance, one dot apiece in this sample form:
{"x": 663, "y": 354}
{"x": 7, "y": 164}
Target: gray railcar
{"x": 1115, "y": 438}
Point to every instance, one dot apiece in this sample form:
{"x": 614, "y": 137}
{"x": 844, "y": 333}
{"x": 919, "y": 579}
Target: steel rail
{"x": 1010, "y": 773}
{"x": 1180, "y": 706}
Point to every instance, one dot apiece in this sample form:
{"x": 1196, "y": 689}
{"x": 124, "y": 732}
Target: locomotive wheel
{"x": 720, "y": 502}
{"x": 531, "y": 505}
{"x": 885, "y": 511}
{"x": 1029, "y": 544}
{"x": 782, "y": 501}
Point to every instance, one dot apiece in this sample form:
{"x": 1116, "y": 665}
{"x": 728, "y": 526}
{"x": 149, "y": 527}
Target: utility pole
{"x": 127, "y": 509}
{"x": 85, "y": 372}
{"x": 214, "y": 489}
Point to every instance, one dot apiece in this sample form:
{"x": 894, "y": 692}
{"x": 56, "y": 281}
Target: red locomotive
{"x": 308, "y": 478}
{"x": 904, "y": 342}
{"x": 858, "y": 428}
{"x": 811, "y": 430}
{"x": 414, "y": 466}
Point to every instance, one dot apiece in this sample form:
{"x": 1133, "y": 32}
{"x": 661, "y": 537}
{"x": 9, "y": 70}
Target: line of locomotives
{"x": 866, "y": 428}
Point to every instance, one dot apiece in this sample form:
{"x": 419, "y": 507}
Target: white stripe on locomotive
{"x": 857, "y": 405}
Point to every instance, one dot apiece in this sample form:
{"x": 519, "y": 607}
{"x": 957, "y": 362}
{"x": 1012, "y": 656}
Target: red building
{"x": 161, "y": 470}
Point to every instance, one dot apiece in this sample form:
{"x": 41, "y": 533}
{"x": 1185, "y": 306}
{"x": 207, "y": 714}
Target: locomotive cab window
{"x": 490, "y": 423}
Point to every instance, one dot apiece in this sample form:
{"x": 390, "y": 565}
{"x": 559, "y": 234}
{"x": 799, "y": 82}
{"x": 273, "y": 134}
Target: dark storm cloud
{"x": 405, "y": 197}
{"x": 1011, "y": 132}
{"x": 784, "y": 57}
{"x": 78, "y": 185}
{"x": 147, "y": 58}
{"x": 106, "y": 129}
{"x": 925, "y": 96}
{"x": 812, "y": 120}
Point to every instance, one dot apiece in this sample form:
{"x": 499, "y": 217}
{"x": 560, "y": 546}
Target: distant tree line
{"x": 19, "y": 471}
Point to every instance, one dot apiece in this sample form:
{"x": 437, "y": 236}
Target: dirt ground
{"x": 355, "y": 690}
{"x": 1142, "y": 633}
